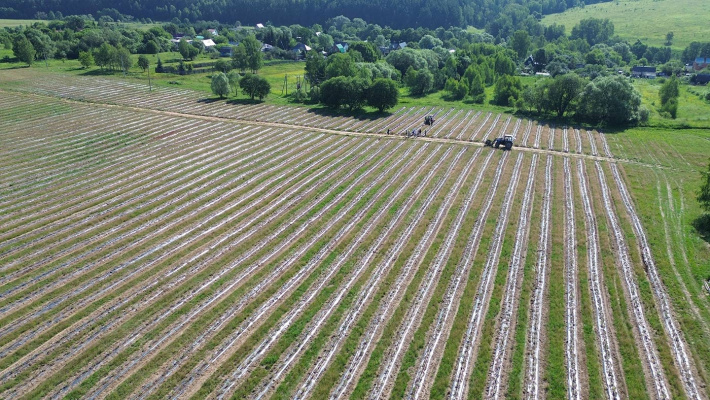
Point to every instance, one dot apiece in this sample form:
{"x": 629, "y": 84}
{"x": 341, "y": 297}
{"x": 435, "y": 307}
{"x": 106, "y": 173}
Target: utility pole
{"x": 150, "y": 86}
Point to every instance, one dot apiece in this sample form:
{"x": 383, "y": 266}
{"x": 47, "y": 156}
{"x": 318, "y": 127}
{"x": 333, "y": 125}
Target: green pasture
{"x": 648, "y": 20}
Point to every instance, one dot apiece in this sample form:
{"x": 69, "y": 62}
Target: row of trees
{"x": 497, "y": 15}
{"x": 252, "y": 85}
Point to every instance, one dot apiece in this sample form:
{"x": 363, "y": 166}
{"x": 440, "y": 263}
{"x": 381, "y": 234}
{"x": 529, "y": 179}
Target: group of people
{"x": 413, "y": 133}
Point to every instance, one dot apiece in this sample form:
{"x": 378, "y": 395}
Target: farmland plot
{"x": 166, "y": 247}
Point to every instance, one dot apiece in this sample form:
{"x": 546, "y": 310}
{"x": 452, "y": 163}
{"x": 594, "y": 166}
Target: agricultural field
{"x": 163, "y": 245}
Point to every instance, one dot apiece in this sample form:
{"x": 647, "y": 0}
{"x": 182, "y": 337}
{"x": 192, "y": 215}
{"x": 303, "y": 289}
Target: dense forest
{"x": 491, "y": 14}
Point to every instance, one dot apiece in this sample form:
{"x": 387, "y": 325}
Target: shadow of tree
{"x": 702, "y": 226}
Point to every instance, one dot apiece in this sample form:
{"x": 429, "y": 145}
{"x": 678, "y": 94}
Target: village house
{"x": 643, "y": 72}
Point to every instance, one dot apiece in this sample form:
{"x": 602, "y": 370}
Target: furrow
{"x": 501, "y": 354}
{"x": 467, "y": 351}
{"x": 535, "y": 332}
{"x": 599, "y": 304}
{"x": 677, "y": 343}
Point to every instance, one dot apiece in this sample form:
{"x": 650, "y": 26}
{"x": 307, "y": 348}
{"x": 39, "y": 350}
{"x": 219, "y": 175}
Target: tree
{"x": 220, "y": 85}
{"x": 315, "y": 67}
{"x": 383, "y": 94}
{"x": 86, "y": 59}
{"x": 104, "y": 55}
{"x": 429, "y": 42}
{"x": 332, "y": 92}
{"x": 593, "y": 30}
{"x": 507, "y": 88}
{"x": 520, "y": 43}
{"x": 252, "y": 50}
{"x": 255, "y": 86}
{"x": 233, "y": 78}
{"x": 562, "y": 91}
{"x": 123, "y": 59}
{"x": 704, "y": 193}
{"x": 457, "y": 89}
{"x": 23, "y": 49}
{"x": 239, "y": 58}
{"x": 368, "y": 50}
{"x": 223, "y": 66}
{"x": 143, "y": 62}
{"x": 421, "y": 83}
{"x": 610, "y": 100}
{"x": 669, "y": 90}
{"x": 184, "y": 49}
{"x": 340, "y": 64}
{"x": 669, "y": 38}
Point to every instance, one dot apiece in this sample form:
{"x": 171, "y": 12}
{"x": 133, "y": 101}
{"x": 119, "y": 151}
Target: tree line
{"x": 395, "y": 13}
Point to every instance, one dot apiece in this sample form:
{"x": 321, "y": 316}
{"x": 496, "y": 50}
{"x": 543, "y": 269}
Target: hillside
{"x": 647, "y": 20}
{"x": 393, "y": 13}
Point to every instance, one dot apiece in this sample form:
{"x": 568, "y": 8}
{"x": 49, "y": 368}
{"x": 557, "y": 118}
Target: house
{"x": 225, "y": 51}
{"x": 267, "y": 47}
{"x": 340, "y": 47}
{"x": 300, "y": 48}
{"x": 643, "y": 72}
{"x": 701, "y": 63}
{"x": 393, "y": 46}
{"x": 213, "y": 32}
{"x": 208, "y": 43}
{"x": 259, "y": 26}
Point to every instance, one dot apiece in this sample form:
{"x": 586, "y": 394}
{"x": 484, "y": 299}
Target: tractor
{"x": 505, "y": 141}
{"x": 429, "y": 120}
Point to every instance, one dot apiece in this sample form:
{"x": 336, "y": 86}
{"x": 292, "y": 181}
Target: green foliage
{"x": 704, "y": 192}
{"x": 520, "y": 43}
{"x": 507, "y": 88}
{"x": 344, "y": 91}
{"x": 233, "y": 78}
{"x": 123, "y": 59}
{"x": 457, "y": 90}
{"x": 187, "y": 51}
{"x": 370, "y": 53}
{"x": 86, "y": 59}
{"x": 105, "y": 55}
{"x": 220, "y": 85}
{"x": 383, "y": 94}
{"x": 252, "y": 51}
{"x": 239, "y": 58}
{"x": 593, "y": 30}
{"x": 420, "y": 82}
{"x": 562, "y": 91}
{"x": 255, "y": 86}
{"x": 23, "y": 50}
{"x": 340, "y": 64}
{"x": 669, "y": 90}
{"x": 315, "y": 67}
{"x": 610, "y": 100}
{"x": 143, "y": 62}
{"x": 223, "y": 65}
{"x": 405, "y": 59}
{"x": 670, "y": 108}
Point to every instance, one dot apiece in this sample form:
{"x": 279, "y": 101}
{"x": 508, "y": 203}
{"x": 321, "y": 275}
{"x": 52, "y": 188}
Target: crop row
{"x": 449, "y": 123}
